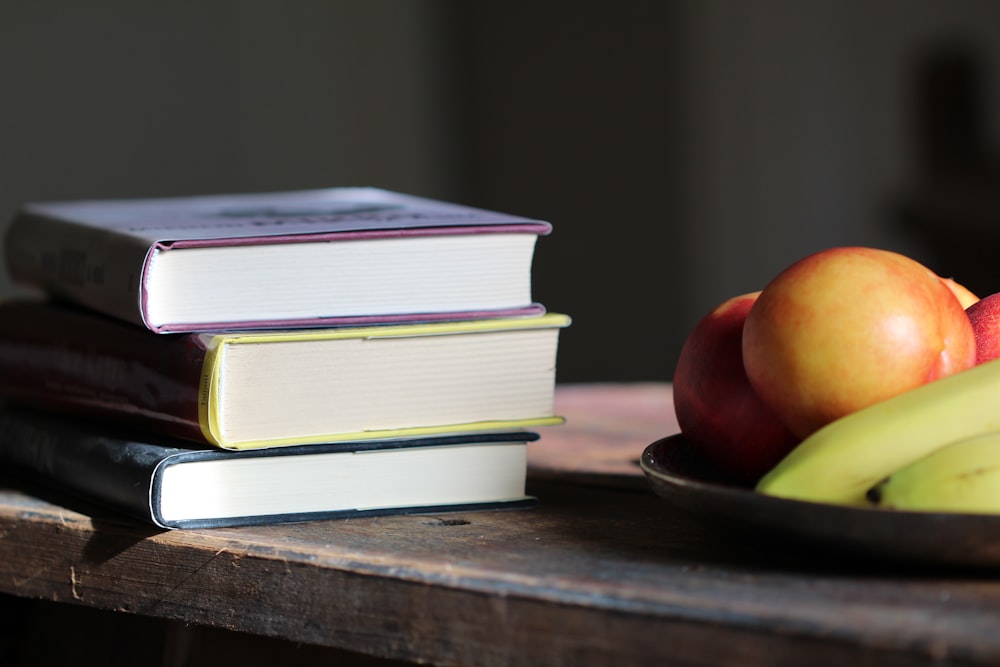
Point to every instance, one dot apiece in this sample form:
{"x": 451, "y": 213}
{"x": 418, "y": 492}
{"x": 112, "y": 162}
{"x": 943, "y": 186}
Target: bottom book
{"x": 176, "y": 485}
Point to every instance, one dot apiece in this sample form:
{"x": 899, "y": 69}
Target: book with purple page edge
{"x": 311, "y": 258}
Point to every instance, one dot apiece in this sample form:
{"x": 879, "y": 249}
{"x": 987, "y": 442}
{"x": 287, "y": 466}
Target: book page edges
{"x": 260, "y": 323}
{"x": 208, "y": 389}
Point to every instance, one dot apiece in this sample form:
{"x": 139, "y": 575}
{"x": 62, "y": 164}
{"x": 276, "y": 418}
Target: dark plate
{"x": 676, "y": 475}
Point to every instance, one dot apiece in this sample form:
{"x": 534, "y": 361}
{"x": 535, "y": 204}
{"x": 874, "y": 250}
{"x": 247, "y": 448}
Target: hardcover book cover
{"x": 303, "y": 258}
{"x": 176, "y": 485}
{"x": 244, "y": 390}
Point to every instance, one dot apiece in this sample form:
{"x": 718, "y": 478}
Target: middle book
{"x": 244, "y": 390}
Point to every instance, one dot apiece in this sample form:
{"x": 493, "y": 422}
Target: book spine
{"x": 76, "y": 363}
{"x": 64, "y": 457}
{"x": 91, "y": 266}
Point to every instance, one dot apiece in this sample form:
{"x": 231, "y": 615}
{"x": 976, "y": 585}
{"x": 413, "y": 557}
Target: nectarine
{"x": 717, "y": 409}
{"x": 848, "y": 327}
{"x": 965, "y": 296}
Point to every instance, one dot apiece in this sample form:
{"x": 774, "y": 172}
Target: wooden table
{"x": 601, "y": 572}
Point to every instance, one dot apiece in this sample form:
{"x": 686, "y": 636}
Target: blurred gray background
{"x": 685, "y": 151}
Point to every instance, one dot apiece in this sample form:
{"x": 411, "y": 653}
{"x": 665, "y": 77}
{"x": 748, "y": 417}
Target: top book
{"x": 306, "y": 258}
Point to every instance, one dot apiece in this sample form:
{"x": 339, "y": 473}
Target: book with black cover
{"x": 174, "y": 484}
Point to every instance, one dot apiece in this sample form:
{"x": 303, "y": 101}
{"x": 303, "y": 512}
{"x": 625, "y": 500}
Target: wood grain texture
{"x": 594, "y": 575}
{"x": 607, "y": 427}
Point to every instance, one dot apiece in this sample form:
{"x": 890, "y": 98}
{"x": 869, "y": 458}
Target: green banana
{"x": 840, "y": 462}
{"x": 963, "y": 476}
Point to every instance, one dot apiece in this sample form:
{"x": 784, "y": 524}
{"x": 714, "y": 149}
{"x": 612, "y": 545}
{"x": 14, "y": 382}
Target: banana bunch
{"x": 963, "y": 476}
{"x": 845, "y": 459}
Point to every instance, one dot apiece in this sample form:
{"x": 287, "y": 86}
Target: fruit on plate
{"x": 843, "y": 460}
{"x": 965, "y": 296}
{"x": 717, "y": 410}
{"x": 985, "y": 318}
{"x": 962, "y": 476}
{"x": 849, "y": 327}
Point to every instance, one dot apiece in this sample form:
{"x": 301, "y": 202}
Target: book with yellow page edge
{"x": 245, "y": 390}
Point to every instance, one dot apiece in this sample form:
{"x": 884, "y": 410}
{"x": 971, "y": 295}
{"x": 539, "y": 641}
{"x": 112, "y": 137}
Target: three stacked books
{"x": 241, "y": 359}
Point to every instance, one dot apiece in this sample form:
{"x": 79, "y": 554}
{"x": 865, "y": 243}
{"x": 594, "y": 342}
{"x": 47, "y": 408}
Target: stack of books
{"x": 241, "y": 359}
